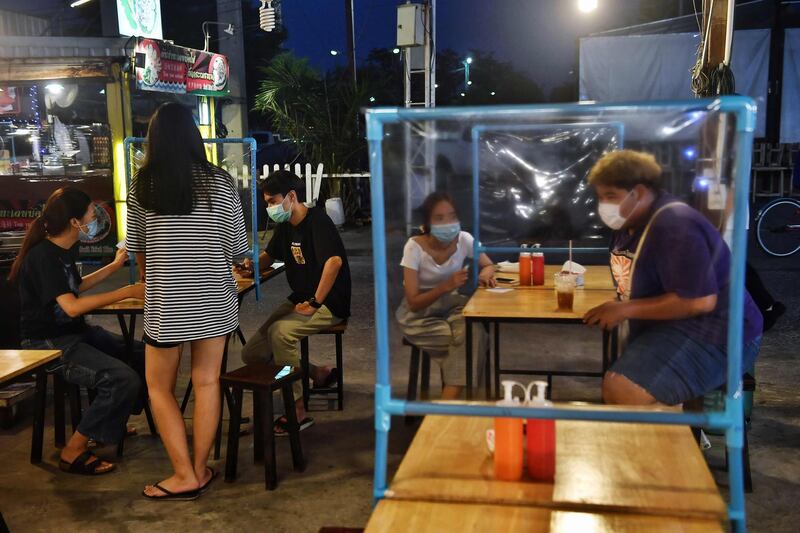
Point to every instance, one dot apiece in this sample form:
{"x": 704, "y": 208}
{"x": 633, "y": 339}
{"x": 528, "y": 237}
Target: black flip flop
{"x": 185, "y": 496}
{"x": 207, "y": 485}
{"x": 83, "y": 466}
{"x": 331, "y": 381}
{"x": 281, "y": 425}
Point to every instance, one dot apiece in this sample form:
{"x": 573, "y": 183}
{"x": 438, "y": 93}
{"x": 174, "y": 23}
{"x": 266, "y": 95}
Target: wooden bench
{"x": 263, "y": 379}
{"x": 18, "y": 364}
{"x": 338, "y": 330}
{"x": 436, "y": 517}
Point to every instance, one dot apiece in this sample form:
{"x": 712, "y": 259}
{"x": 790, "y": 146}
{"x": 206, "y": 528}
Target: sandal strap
{"x": 162, "y": 489}
{"x": 82, "y": 463}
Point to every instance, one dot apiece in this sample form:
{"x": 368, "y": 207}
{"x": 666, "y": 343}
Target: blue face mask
{"x": 445, "y": 233}
{"x": 278, "y": 213}
{"x": 91, "y": 231}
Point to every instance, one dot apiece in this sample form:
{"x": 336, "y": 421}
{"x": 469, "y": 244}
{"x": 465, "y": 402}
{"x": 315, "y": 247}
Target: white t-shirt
{"x": 429, "y": 272}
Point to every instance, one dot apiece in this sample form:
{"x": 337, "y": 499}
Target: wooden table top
{"x": 600, "y": 467}
{"x": 435, "y": 517}
{"x": 596, "y": 277}
{"x": 136, "y": 305}
{"x": 533, "y": 304}
{"x": 14, "y": 363}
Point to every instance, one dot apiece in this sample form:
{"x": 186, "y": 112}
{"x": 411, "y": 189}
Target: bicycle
{"x": 778, "y": 227}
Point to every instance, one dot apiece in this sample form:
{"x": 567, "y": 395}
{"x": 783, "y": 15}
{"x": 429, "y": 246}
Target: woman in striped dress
{"x": 185, "y": 225}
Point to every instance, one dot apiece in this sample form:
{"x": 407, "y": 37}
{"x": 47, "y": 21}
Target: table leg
{"x": 123, "y": 328}
{"x": 469, "y": 358}
{"x": 487, "y": 362}
{"x": 38, "y": 416}
{"x": 497, "y": 359}
{"x": 606, "y": 350}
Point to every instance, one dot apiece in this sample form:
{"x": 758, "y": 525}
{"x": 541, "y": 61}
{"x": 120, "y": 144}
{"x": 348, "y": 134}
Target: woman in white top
{"x": 430, "y": 315}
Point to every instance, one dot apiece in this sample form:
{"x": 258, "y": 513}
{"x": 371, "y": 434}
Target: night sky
{"x": 539, "y": 37}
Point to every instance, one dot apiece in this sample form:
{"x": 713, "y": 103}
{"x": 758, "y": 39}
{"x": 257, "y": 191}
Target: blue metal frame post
{"x": 129, "y": 141}
{"x": 383, "y": 384}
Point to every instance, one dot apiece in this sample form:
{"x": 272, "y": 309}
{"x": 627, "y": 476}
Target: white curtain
{"x": 657, "y": 67}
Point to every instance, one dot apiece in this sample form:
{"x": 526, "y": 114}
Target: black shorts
{"x": 155, "y": 344}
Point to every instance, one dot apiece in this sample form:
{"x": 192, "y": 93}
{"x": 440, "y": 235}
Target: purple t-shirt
{"x": 684, "y": 254}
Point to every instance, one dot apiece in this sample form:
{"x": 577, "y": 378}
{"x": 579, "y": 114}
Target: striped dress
{"x": 190, "y": 292}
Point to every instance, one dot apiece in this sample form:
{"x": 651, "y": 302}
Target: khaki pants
{"x": 278, "y": 339}
{"x": 440, "y": 330}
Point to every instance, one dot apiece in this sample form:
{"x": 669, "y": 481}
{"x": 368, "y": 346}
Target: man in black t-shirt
{"x": 307, "y": 241}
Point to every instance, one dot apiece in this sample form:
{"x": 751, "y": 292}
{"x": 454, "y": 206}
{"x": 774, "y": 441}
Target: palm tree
{"x": 321, "y": 114}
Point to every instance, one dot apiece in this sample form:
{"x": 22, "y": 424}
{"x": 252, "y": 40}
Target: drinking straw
{"x": 570, "y": 256}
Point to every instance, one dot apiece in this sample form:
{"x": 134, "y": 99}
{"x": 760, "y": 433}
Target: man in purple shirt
{"x": 672, "y": 271}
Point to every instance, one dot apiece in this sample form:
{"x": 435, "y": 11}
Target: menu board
{"x": 164, "y": 67}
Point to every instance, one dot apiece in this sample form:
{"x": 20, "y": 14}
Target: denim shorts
{"x": 674, "y": 367}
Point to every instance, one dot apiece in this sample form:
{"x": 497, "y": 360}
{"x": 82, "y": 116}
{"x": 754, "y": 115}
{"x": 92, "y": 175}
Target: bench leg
{"x": 232, "y": 450}
{"x": 264, "y": 398}
{"x": 298, "y": 461}
{"x": 305, "y": 367}
{"x": 340, "y": 366}
{"x": 413, "y": 374}
{"x": 121, "y": 447}
{"x": 59, "y": 418}
{"x": 38, "y": 417}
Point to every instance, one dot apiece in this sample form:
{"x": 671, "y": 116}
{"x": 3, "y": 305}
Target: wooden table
{"x": 436, "y": 517}
{"x": 16, "y": 364}
{"x": 600, "y": 467}
{"x": 596, "y": 277}
{"x": 528, "y": 305}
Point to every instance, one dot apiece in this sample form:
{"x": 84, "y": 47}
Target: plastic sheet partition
{"x": 790, "y": 95}
{"x": 517, "y": 175}
{"x": 237, "y": 156}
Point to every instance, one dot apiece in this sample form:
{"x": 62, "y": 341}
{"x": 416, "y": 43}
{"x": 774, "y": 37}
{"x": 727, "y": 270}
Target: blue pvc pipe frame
{"x": 253, "y": 193}
{"x": 730, "y": 419}
{"x": 477, "y": 131}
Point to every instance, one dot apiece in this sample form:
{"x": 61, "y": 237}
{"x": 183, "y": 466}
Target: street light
{"x": 395, "y": 50}
{"x": 78, "y": 3}
{"x": 493, "y": 93}
{"x": 468, "y": 60}
{"x": 587, "y": 6}
{"x": 371, "y": 98}
{"x": 334, "y": 52}
{"x": 462, "y": 94}
{"x": 229, "y": 29}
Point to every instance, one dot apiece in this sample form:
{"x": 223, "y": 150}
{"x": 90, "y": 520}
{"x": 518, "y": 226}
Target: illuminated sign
{"x": 141, "y": 18}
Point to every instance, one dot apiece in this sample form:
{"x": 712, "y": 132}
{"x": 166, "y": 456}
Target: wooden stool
{"x": 263, "y": 379}
{"x": 413, "y": 374}
{"x": 338, "y": 330}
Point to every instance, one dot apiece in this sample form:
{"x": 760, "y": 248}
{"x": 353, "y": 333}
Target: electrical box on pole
{"x": 410, "y": 25}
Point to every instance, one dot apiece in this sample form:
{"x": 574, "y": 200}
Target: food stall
{"x": 67, "y": 104}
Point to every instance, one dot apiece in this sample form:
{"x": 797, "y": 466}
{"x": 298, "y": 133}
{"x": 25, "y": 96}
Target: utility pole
{"x": 351, "y": 40}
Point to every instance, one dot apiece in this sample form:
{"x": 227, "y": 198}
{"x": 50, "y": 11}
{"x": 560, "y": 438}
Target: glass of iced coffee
{"x": 565, "y": 290}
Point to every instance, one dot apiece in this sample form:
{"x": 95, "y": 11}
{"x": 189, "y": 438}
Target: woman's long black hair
{"x": 167, "y": 182}
{"x": 63, "y": 205}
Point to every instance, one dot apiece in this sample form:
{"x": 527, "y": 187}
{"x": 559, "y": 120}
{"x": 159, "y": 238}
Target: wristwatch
{"x": 314, "y": 303}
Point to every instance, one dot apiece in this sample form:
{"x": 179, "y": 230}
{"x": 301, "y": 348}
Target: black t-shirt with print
{"x": 305, "y": 248}
{"x": 48, "y": 271}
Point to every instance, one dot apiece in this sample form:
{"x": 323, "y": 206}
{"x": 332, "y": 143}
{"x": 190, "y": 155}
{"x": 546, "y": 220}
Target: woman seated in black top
{"x": 52, "y": 317}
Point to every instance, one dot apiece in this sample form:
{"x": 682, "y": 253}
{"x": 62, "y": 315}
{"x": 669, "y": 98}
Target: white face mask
{"x": 609, "y": 213}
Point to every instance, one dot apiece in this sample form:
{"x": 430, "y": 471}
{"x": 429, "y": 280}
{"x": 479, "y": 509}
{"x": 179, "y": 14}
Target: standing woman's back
{"x": 185, "y": 222}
